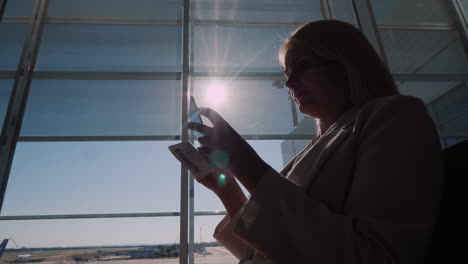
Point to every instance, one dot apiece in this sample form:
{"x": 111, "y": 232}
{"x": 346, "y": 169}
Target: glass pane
{"x": 452, "y": 59}
{"x": 424, "y": 51}
{"x": 12, "y": 36}
{"x": 147, "y": 48}
{"x": 102, "y": 108}
{"x": 251, "y": 107}
{"x": 238, "y": 49}
{"x": 403, "y": 12}
{"x": 426, "y": 91}
{"x": 271, "y": 151}
{"x": 83, "y": 240}
{"x": 450, "y": 111}
{"x": 465, "y": 5}
{"x": 18, "y": 8}
{"x": 92, "y": 177}
{"x": 257, "y": 10}
{"x": 343, "y": 10}
{"x": 5, "y": 92}
{"x": 453, "y": 141}
{"x": 206, "y": 248}
{"x": 116, "y": 9}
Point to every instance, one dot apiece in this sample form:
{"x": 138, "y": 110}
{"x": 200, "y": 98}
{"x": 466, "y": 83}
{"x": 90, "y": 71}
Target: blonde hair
{"x": 368, "y": 76}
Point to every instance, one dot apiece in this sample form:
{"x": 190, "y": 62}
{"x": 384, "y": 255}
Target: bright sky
{"x": 123, "y": 177}
{"x": 104, "y": 177}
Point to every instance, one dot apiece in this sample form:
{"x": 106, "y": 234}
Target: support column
{"x": 184, "y": 210}
{"x": 14, "y": 116}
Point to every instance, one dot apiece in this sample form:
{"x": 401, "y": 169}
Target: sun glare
{"x": 216, "y": 93}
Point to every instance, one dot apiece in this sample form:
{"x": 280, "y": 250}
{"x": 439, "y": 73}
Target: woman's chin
{"x": 306, "y": 109}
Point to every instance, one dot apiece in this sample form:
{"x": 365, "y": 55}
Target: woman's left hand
{"x": 228, "y": 150}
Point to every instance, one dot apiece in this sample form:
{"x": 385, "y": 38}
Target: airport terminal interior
{"x": 93, "y": 92}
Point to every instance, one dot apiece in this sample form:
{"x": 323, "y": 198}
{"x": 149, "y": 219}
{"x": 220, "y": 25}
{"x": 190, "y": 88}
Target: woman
{"x": 367, "y": 188}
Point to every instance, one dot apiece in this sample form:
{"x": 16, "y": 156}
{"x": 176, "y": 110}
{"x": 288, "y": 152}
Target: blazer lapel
{"x": 305, "y": 170}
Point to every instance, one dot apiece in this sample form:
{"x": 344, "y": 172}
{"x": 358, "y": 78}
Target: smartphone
{"x": 194, "y": 116}
{"x": 189, "y": 156}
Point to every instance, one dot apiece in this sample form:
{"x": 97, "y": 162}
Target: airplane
{"x": 23, "y": 257}
{"x": 202, "y": 252}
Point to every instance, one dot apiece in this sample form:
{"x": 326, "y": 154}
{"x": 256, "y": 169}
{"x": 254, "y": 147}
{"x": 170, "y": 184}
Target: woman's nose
{"x": 291, "y": 83}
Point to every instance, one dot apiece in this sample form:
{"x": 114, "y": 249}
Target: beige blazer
{"x": 367, "y": 191}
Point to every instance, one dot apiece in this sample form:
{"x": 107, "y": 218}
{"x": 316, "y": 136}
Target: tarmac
{"x": 216, "y": 255}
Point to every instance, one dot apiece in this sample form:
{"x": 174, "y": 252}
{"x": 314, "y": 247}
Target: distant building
{"x": 291, "y": 147}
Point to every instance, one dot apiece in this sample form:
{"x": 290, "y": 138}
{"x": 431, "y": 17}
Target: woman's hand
{"x": 227, "y": 150}
{"x": 219, "y": 180}
{"x": 224, "y": 185}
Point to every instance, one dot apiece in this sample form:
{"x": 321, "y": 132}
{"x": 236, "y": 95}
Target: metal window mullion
{"x": 403, "y": 26}
{"x": 191, "y": 256}
{"x": 103, "y": 216}
{"x": 461, "y": 22}
{"x": 147, "y": 138}
{"x": 417, "y": 26}
{"x": 104, "y": 75}
{"x": 110, "y": 21}
{"x": 327, "y": 12}
{"x": 205, "y": 75}
{"x": 429, "y": 77}
{"x": 87, "y": 216}
{"x": 183, "y": 249}
{"x": 208, "y": 75}
{"x": 367, "y": 24}
{"x": 3, "y": 4}
{"x": 97, "y": 138}
{"x": 19, "y": 95}
{"x": 7, "y": 75}
{"x": 290, "y": 136}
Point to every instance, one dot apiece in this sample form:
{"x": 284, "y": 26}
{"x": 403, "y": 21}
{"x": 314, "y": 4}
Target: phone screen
{"x": 194, "y": 116}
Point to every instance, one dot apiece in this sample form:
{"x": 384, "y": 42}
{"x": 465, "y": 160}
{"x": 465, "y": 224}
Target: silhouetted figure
{"x": 365, "y": 190}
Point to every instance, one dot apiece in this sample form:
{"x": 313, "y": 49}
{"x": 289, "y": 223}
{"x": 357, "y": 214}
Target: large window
{"x": 427, "y": 54}
{"x": 91, "y": 170}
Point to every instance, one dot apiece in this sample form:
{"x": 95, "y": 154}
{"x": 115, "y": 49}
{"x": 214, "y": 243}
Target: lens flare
{"x": 221, "y": 179}
{"x": 219, "y": 159}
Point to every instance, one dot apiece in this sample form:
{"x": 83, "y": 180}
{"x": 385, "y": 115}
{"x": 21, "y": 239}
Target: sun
{"x": 216, "y": 93}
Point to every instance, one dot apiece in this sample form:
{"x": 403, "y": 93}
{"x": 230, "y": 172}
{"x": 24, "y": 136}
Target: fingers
{"x": 211, "y": 114}
{"x": 204, "y": 151}
{"x": 199, "y": 127}
{"x": 207, "y": 142}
